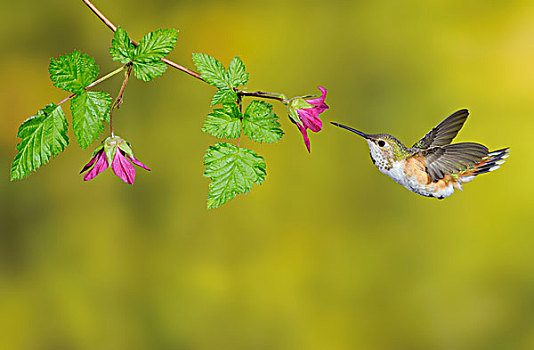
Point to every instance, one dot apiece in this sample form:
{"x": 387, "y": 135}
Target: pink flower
{"x": 116, "y": 151}
{"x": 305, "y": 114}
{"x": 101, "y": 164}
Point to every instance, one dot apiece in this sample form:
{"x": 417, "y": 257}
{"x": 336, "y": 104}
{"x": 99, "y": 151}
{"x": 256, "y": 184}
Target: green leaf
{"x": 73, "y": 72}
{"x": 89, "y": 112}
{"x": 260, "y": 124}
{"x": 43, "y": 135}
{"x": 224, "y": 123}
{"x": 147, "y": 63}
{"x": 224, "y": 95}
{"x": 122, "y": 49}
{"x": 210, "y": 69}
{"x": 147, "y": 71}
{"x": 156, "y": 45}
{"x": 232, "y": 170}
{"x": 236, "y": 75}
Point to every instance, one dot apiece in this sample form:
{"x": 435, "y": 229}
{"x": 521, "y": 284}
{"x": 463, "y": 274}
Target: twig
{"x": 118, "y": 100}
{"x": 263, "y": 94}
{"x": 114, "y": 29}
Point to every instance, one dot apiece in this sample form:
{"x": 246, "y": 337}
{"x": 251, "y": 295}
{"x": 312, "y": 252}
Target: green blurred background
{"x": 328, "y": 253}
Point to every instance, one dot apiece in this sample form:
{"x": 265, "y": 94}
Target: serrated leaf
{"x": 235, "y": 74}
{"x": 260, "y": 124}
{"x": 224, "y": 95}
{"x": 210, "y": 69}
{"x": 224, "y": 123}
{"x": 121, "y": 49}
{"x": 73, "y": 72}
{"x": 147, "y": 71}
{"x": 43, "y": 135}
{"x": 147, "y": 63}
{"x": 232, "y": 170}
{"x": 89, "y": 112}
{"x": 156, "y": 45}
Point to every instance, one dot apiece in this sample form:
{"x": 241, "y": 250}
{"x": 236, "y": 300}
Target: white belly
{"x": 398, "y": 175}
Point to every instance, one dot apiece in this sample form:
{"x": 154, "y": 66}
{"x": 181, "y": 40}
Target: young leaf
{"x": 232, "y": 170}
{"x": 146, "y": 71}
{"x": 121, "y": 49}
{"x": 156, "y": 45}
{"x": 236, "y": 75}
{"x": 210, "y": 69}
{"x": 147, "y": 63}
{"x": 224, "y": 123}
{"x": 73, "y": 72}
{"x": 43, "y": 135}
{"x": 89, "y": 112}
{"x": 260, "y": 124}
{"x": 224, "y": 95}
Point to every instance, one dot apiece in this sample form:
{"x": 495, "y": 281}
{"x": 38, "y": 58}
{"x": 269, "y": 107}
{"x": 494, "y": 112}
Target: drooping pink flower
{"x": 305, "y": 114}
{"x": 116, "y": 151}
{"x": 99, "y": 156}
{"x": 123, "y": 168}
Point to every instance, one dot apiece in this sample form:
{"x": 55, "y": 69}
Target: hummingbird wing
{"x": 453, "y": 159}
{"x": 443, "y": 134}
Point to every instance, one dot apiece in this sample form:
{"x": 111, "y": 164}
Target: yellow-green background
{"x": 328, "y": 253}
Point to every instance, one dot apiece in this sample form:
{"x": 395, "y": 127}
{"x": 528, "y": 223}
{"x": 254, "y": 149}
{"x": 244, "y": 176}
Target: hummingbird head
{"x": 384, "y": 148}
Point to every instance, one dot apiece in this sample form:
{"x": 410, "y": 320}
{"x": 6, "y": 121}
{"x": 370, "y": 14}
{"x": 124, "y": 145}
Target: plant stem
{"x": 118, "y": 100}
{"x": 96, "y": 82}
{"x": 66, "y": 99}
{"x": 114, "y": 28}
{"x": 260, "y": 94}
{"x": 105, "y": 77}
{"x": 240, "y": 106}
{"x": 263, "y": 94}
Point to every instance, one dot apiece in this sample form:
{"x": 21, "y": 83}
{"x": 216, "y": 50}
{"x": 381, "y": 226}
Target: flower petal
{"x": 305, "y": 136}
{"x": 123, "y": 168}
{"x": 91, "y": 162}
{"x": 138, "y": 163}
{"x": 310, "y": 119}
{"x": 319, "y": 101}
{"x": 100, "y": 166}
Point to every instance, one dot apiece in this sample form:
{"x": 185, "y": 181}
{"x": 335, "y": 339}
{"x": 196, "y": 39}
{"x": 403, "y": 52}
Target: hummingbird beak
{"x": 364, "y": 135}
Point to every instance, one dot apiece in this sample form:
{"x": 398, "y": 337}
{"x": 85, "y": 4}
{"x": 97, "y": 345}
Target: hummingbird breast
{"x": 410, "y": 173}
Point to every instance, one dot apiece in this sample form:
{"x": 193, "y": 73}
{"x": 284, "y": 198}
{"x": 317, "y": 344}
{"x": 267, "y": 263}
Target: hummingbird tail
{"x": 491, "y": 162}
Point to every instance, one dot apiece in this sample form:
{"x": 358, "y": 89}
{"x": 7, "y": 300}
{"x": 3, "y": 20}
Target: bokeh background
{"x": 328, "y": 253}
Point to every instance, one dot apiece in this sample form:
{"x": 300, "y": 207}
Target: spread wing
{"x": 452, "y": 159}
{"x": 443, "y": 134}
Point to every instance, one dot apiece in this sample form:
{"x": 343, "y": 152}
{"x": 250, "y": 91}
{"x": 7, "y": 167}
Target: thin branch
{"x": 114, "y": 28}
{"x": 263, "y": 94}
{"x": 183, "y": 69}
{"x": 240, "y": 105}
{"x": 118, "y": 100}
{"x": 100, "y": 15}
{"x": 105, "y": 77}
{"x": 66, "y": 99}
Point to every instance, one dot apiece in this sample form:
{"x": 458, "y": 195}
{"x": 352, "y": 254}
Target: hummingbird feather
{"x": 452, "y": 159}
{"x": 444, "y": 132}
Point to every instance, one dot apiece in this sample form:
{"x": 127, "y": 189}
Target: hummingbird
{"x": 433, "y": 167}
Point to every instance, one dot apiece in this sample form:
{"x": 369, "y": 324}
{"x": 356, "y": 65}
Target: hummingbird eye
{"x": 381, "y": 143}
